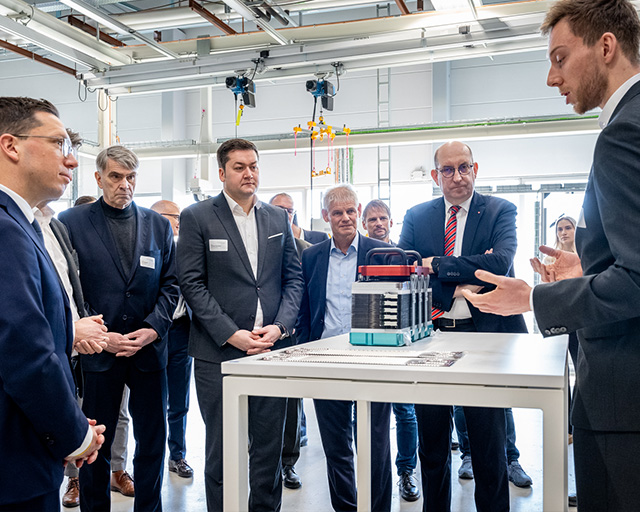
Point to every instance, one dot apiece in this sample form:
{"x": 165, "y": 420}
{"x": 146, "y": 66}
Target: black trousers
{"x": 266, "y": 432}
{"x": 291, "y": 446}
{"x": 336, "y": 425}
{"x": 147, "y": 406}
{"x": 607, "y": 468}
{"x": 487, "y": 436}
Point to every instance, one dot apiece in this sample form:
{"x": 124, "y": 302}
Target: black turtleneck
{"x": 122, "y": 224}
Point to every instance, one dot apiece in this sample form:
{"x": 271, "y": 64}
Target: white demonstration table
{"x": 497, "y": 370}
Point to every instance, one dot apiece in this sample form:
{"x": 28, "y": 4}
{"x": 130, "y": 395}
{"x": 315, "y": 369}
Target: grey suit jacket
{"x": 217, "y": 282}
{"x": 62, "y": 235}
{"x": 603, "y": 305}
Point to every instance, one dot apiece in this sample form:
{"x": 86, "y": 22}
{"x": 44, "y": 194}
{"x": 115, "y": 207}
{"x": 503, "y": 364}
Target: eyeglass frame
{"x": 453, "y": 170}
{"x": 290, "y": 211}
{"x": 174, "y": 216}
{"x": 66, "y": 146}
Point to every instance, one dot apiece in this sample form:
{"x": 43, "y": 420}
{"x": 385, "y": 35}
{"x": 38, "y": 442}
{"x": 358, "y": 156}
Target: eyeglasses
{"x": 65, "y": 144}
{"x": 174, "y": 216}
{"x": 290, "y": 211}
{"x": 463, "y": 170}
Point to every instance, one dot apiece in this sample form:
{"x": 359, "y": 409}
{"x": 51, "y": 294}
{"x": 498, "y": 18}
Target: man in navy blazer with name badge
{"x": 329, "y": 268}
{"x": 127, "y": 270}
{"x": 240, "y": 275}
{"x": 595, "y": 62}
{"x": 457, "y": 234}
{"x": 41, "y": 424}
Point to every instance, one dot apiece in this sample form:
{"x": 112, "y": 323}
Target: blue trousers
{"x": 406, "y": 437}
{"x": 178, "y": 382}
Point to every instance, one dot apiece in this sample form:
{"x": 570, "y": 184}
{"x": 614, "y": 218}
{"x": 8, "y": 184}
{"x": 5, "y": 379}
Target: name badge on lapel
{"x": 147, "y": 262}
{"x": 216, "y": 245}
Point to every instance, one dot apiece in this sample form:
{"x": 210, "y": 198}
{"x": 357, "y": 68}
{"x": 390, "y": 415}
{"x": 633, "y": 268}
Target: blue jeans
{"x": 406, "y": 436}
{"x": 463, "y": 438}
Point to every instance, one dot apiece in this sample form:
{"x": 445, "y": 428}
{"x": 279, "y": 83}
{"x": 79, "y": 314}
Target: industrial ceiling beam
{"x": 89, "y": 29}
{"x": 211, "y": 18}
{"x": 296, "y": 60}
{"x": 37, "y": 58}
{"x": 403, "y": 7}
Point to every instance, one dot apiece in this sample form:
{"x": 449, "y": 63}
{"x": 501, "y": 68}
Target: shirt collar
{"x": 232, "y": 203}
{"x": 612, "y": 102}
{"x": 465, "y": 205}
{"x": 20, "y": 202}
{"x": 43, "y": 215}
{"x": 354, "y": 244}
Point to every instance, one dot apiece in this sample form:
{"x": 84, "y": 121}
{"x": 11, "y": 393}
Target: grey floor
{"x": 180, "y": 494}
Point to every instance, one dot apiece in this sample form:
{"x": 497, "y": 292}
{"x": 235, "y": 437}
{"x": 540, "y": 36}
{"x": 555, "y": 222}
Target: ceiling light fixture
{"x": 106, "y": 20}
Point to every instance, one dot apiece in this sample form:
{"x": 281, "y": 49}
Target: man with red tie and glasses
{"x": 457, "y": 234}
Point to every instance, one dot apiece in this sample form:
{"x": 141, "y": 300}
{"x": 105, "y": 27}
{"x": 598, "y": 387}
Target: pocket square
{"x": 273, "y": 236}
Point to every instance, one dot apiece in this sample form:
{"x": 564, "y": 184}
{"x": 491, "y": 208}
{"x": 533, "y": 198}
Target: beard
{"x": 591, "y": 91}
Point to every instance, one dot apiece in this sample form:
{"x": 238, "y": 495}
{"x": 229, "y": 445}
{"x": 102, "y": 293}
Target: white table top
{"x": 491, "y": 359}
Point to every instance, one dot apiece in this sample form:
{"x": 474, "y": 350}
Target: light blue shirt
{"x": 340, "y": 276}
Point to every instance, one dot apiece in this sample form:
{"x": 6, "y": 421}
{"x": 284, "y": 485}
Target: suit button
{"x": 128, "y": 294}
{"x": 547, "y": 332}
{"x": 49, "y": 439}
{"x": 124, "y": 317}
{"x": 563, "y": 329}
{"x": 253, "y": 317}
{"x": 258, "y": 288}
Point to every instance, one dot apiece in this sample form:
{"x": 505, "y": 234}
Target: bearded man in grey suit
{"x": 595, "y": 61}
{"x": 240, "y": 274}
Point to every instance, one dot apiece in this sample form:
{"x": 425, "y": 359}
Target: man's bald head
{"x": 169, "y": 210}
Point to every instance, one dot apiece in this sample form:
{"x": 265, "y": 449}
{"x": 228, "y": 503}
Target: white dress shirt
{"x": 248, "y": 228}
{"x": 57, "y": 256}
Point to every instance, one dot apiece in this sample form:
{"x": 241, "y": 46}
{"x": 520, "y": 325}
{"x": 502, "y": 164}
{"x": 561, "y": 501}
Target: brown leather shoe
{"x": 71, "y": 497}
{"x": 122, "y": 483}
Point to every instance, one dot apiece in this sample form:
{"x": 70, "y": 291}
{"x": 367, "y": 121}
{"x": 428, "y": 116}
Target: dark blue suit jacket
{"x": 315, "y": 237}
{"x": 491, "y": 224}
{"x": 603, "y": 304}
{"x": 40, "y": 420}
{"x": 315, "y": 265}
{"x": 146, "y": 297}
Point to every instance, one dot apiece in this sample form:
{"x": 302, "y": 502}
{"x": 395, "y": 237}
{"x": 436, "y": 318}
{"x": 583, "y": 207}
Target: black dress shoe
{"x": 291, "y": 478}
{"x": 408, "y": 487}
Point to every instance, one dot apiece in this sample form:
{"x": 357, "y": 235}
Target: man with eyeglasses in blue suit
{"x": 457, "y": 234}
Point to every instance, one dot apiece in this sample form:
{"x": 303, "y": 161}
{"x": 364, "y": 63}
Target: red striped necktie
{"x": 449, "y": 245}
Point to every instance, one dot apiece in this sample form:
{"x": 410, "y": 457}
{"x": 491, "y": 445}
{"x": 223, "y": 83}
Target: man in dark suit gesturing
{"x": 456, "y": 235}
{"x": 127, "y": 271}
{"x": 329, "y": 269}
{"x": 593, "y": 48}
{"x": 41, "y": 424}
{"x": 240, "y": 275}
